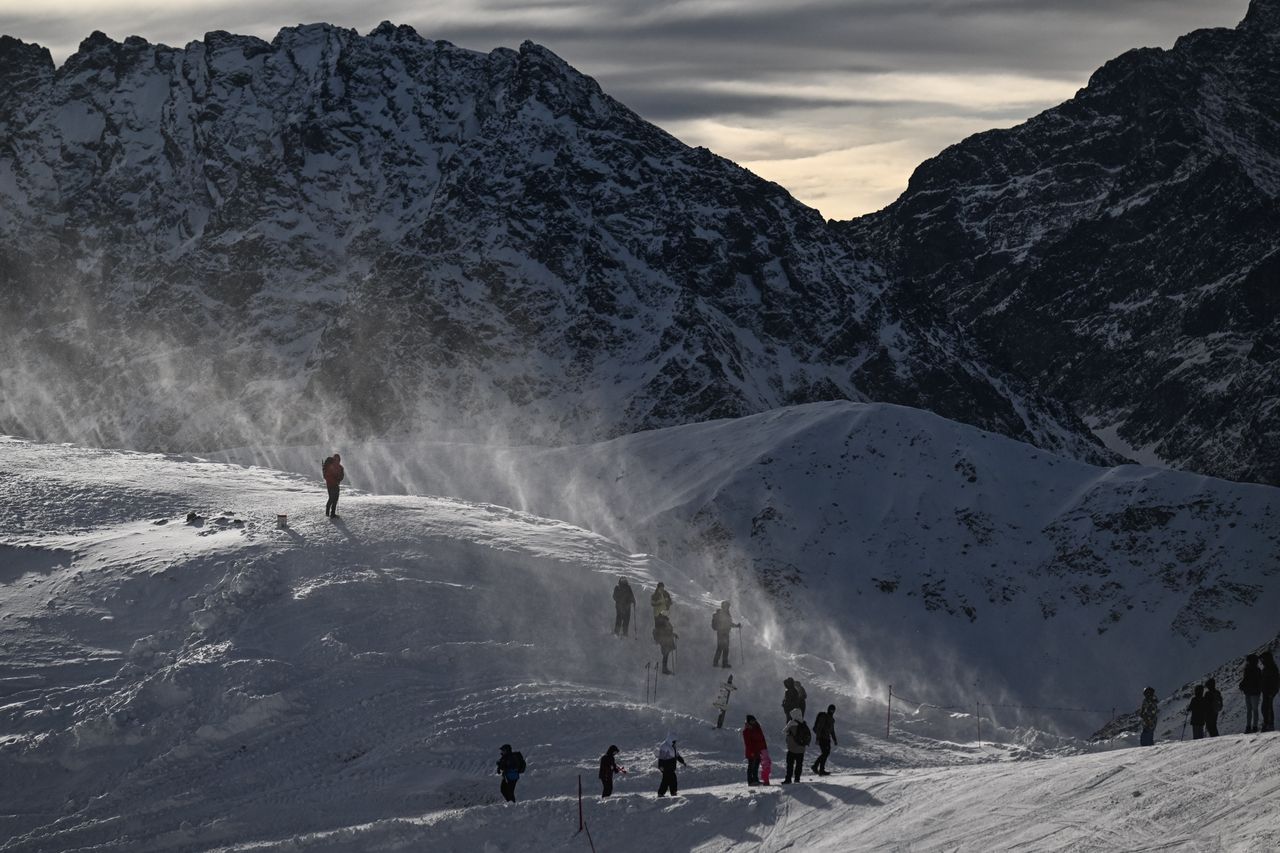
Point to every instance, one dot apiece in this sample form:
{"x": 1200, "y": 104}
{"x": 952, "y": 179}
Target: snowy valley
{"x": 233, "y": 684}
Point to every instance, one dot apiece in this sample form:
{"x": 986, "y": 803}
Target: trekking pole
{"x": 741, "y": 657}
{"x": 1185, "y": 714}
{"x": 646, "y": 682}
{"x": 888, "y": 714}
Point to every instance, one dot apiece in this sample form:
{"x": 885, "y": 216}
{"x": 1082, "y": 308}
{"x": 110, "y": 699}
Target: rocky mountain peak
{"x": 1263, "y": 15}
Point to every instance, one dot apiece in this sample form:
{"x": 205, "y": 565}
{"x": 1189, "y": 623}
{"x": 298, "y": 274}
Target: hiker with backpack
{"x": 664, "y": 634}
{"x": 1196, "y": 709}
{"x": 623, "y": 600}
{"x": 510, "y": 766}
{"x": 608, "y": 767}
{"x": 1148, "y": 714}
{"x": 797, "y": 735}
{"x": 824, "y": 730}
{"x": 1251, "y": 687}
{"x": 722, "y": 623}
{"x": 1270, "y": 686}
{"x": 759, "y": 765}
{"x": 793, "y": 697}
{"x": 668, "y": 756}
{"x": 333, "y": 473}
{"x": 1212, "y": 707}
{"x": 660, "y": 601}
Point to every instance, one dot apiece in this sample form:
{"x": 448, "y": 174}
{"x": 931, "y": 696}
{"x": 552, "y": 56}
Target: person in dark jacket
{"x": 608, "y": 767}
{"x": 1270, "y": 686}
{"x": 824, "y": 732}
{"x": 664, "y": 634}
{"x": 668, "y": 756}
{"x": 510, "y": 765}
{"x": 623, "y": 600}
{"x": 1148, "y": 713}
{"x": 1251, "y": 687}
{"x": 793, "y": 697}
{"x": 722, "y": 623}
{"x": 333, "y": 475}
{"x": 758, "y": 763}
{"x": 1196, "y": 708}
{"x": 1212, "y": 707}
{"x": 660, "y": 601}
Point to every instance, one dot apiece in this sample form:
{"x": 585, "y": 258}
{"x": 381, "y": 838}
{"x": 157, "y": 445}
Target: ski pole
{"x": 1185, "y": 714}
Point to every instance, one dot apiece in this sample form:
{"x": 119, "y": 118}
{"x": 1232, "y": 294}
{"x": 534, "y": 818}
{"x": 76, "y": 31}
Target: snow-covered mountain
{"x": 903, "y": 542}
{"x": 240, "y": 241}
{"x": 230, "y": 684}
{"x": 1121, "y": 252}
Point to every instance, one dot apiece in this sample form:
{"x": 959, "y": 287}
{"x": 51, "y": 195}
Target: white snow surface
{"x": 231, "y": 684}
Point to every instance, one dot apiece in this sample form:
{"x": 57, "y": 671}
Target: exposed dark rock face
{"x": 1121, "y": 252}
{"x": 242, "y": 240}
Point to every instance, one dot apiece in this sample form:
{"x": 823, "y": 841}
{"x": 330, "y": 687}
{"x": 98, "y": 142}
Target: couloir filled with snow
{"x": 229, "y": 683}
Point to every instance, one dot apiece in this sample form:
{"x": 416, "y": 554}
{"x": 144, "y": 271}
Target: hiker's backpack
{"x": 802, "y": 734}
{"x": 324, "y": 466}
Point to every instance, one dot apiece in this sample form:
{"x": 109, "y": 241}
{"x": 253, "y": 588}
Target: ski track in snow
{"x": 344, "y": 686}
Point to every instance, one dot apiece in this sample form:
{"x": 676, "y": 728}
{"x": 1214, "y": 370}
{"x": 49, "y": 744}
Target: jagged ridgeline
{"x": 243, "y": 241}
{"x": 1121, "y": 252}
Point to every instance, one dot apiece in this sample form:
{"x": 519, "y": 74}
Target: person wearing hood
{"x": 1212, "y": 707}
{"x": 660, "y": 601}
{"x": 668, "y": 757}
{"x": 334, "y": 474}
{"x": 824, "y": 730}
{"x": 793, "y": 697}
{"x": 1148, "y": 713}
{"x": 1251, "y": 687}
{"x": 758, "y": 763}
{"x": 510, "y": 766}
{"x": 623, "y": 600}
{"x": 797, "y": 736}
{"x": 608, "y": 767}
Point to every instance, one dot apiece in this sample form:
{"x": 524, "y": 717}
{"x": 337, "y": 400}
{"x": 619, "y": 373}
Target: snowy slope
{"x": 929, "y": 543}
{"x": 233, "y": 685}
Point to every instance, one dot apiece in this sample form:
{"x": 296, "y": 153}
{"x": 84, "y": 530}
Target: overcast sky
{"x": 837, "y": 100}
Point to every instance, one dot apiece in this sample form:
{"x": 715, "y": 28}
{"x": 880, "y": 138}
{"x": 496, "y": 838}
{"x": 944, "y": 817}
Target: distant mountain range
{"x": 333, "y": 234}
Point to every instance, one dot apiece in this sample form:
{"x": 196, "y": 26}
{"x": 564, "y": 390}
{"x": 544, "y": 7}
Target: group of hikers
{"x": 1260, "y": 684}
{"x": 664, "y": 633}
{"x": 796, "y": 734}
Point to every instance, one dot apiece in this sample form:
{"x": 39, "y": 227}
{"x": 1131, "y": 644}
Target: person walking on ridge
{"x": 664, "y": 634}
{"x": 824, "y": 730}
{"x": 623, "y": 600}
{"x": 1196, "y": 709}
{"x": 510, "y": 766}
{"x": 1270, "y": 686}
{"x": 1212, "y": 707}
{"x": 793, "y": 697}
{"x": 660, "y": 601}
{"x": 722, "y": 623}
{"x": 1148, "y": 713}
{"x": 1251, "y": 687}
{"x": 333, "y": 475}
{"x": 608, "y": 767}
{"x": 668, "y": 756}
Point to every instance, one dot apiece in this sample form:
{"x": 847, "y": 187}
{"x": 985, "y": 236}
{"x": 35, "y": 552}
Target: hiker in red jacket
{"x": 333, "y": 474}
{"x": 758, "y": 763}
